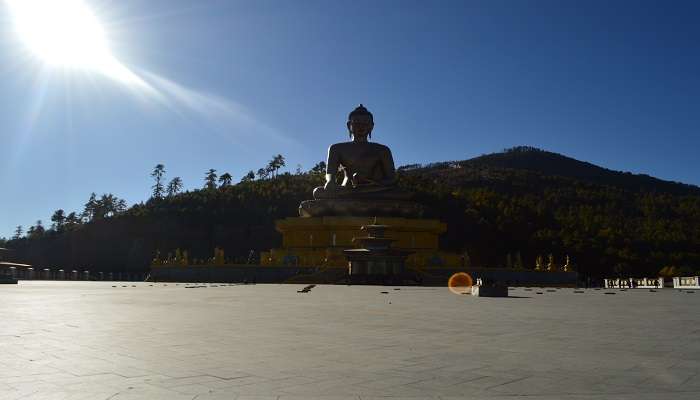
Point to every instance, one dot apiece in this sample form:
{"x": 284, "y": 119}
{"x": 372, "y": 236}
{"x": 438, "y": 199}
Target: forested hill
{"x": 522, "y": 201}
{"x": 548, "y": 163}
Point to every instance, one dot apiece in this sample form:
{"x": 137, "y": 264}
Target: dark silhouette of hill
{"x": 549, "y": 163}
{"x": 523, "y": 202}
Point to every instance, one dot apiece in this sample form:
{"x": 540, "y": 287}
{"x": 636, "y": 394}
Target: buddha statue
{"x": 369, "y": 179}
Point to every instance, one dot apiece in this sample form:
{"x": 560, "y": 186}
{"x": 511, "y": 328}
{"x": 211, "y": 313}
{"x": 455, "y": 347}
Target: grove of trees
{"x": 610, "y": 223}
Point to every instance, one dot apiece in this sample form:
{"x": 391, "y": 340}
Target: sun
{"x": 63, "y": 33}
{"x": 66, "y": 33}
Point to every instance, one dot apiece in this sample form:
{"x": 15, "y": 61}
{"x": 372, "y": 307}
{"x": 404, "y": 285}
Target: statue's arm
{"x": 388, "y": 167}
{"x": 332, "y": 164}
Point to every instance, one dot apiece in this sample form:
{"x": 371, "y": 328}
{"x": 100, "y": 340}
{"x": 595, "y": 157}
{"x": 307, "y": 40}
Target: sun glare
{"x": 65, "y": 33}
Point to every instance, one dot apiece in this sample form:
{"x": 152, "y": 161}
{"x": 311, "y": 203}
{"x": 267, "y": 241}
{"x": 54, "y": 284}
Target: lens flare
{"x": 460, "y": 283}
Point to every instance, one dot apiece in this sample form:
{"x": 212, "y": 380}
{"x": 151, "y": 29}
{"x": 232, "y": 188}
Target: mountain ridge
{"x": 523, "y": 202}
{"x": 555, "y": 164}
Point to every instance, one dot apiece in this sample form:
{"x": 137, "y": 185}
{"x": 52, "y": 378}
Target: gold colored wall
{"x": 320, "y": 241}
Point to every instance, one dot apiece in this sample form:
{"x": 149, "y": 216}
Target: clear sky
{"x": 227, "y": 84}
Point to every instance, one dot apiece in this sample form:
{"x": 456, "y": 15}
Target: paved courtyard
{"x": 92, "y": 340}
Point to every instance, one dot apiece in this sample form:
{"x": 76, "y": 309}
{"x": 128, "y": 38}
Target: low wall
{"x": 226, "y": 273}
{"x": 686, "y": 282}
{"x": 512, "y": 277}
{"x": 280, "y": 274}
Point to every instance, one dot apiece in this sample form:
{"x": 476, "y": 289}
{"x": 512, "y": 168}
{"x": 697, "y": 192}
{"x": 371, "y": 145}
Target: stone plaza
{"x": 118, "y": 340}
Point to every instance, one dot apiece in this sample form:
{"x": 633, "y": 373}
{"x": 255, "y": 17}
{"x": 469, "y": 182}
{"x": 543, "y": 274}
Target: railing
{"x": 686, "y": 282}
{"x": 634, "y": 283}
{"x": 52, "y": 274}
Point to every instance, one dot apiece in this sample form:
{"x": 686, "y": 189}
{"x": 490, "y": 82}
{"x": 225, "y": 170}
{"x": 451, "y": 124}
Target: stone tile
{"x": 253, "y": 397}
{"x": 87, "y": 340}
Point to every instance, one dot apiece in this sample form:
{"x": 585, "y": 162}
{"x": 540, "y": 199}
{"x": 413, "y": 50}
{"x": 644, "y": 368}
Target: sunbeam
{"x": 222, "y": 114}
{"x": 67, "y": 36}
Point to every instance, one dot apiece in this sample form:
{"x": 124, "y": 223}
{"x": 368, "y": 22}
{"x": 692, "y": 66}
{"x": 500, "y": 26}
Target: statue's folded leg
{"x": 319, "y": 193}
{"x": 359, "y": 207}
{"x": 372, "y": 192}
{"x": 335, "y": 193}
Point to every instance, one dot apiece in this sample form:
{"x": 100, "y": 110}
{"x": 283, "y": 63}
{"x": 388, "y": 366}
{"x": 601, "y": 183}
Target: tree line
{"x": 109, "y": 205}
{"x": 491, "y": 212}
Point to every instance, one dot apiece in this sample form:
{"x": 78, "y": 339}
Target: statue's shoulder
{"x": 338, "y": 146}
{"x": 381, "y": 147}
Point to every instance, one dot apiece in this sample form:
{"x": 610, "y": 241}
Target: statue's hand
{"x": 359, "y": 180}
{"x": 331, "y": 184}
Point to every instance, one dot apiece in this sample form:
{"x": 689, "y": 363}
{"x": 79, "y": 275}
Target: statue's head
{"x": 360, "y": 122}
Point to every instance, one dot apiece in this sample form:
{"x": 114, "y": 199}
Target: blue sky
{"x": 613, "y": 83}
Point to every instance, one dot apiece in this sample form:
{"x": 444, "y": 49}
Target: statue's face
{"x": 360, "y": 126}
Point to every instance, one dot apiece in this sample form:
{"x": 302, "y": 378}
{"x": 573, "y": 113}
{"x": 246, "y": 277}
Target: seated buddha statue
{"x": 369, "y": 179}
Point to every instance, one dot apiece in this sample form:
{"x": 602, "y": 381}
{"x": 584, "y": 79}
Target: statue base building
{"x": 359, "y": 207}
{"x": 321, "y": 241}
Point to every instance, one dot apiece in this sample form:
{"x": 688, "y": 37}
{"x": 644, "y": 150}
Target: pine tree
{"x": 58, "y": 218}
{"x": 18, "y": 233}
{"x": 248, "y": 177}
{"x": 279, "y": 162}
{"x": 319, "y": 168}
{"x": 120, "y": 206}
{"x": 37, "y": 230}
{"x": 158, "y": 174}
{"x": 72, "y": 220}
{"x": 225, "y": 180}
{"x": 210, "y": 179}
{"x": 89, "y": 211}
{"x": 174, "y": 186}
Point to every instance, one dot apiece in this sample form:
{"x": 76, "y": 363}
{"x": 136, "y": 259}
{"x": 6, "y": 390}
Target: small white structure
{"x": 632, "y": 283}
{"x": 686, "y": 282}
{"x": 648, "y": 283}
{"x": 620, "y": 283}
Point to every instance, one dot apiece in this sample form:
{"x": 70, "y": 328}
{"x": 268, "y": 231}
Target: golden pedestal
{"x": 320, "y": 241}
